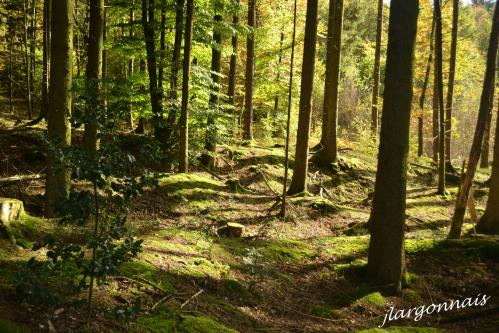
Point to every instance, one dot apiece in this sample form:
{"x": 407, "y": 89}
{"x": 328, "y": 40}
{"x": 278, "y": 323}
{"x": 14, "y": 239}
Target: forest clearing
{"x": 205, "y": 166}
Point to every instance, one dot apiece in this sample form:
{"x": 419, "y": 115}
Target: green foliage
{"x": 8, "y": 327}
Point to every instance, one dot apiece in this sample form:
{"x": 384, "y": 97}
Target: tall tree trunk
{"x": 278, "y": 79}
{"x": 233, "y": 64}
{"x": 282, "y": 213}
{"x": 162, "y": 47}
{"x": 450, "y": 89}
{"x": 32, "y": 47}
{"x": 489, "y": 223}
{"x": 299, "y": 180}
{"x": 94, "y": 74}
{"x": 47, "y": 5}
{"x": 250, "y": 73}
{"x": 59, "y": 128}
{"x": 377, "y": 66}
{"x": 487, "y": 91}
{"x": 484, "y": 158}
{"x": 423, "y": 92}
{"x": 208, "y": 159}
{"x": 184, "y": 114}
{"x": 329, "y": 153}
{"x": 27, "y": 60}
{"x": 131, "y": 63}
{"x": 155, "y": 95}
{"x": 11, "y": 88}
{"x": 440, "y": 96}
{"x": 386, "y": 261}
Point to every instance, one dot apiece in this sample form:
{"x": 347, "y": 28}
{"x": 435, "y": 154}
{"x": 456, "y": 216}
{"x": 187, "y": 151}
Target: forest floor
{"x": 305, "y": 274}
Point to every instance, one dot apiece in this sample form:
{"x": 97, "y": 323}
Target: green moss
{"x": 345, "y": 248}
{"x": 202, "y": 268}
{"x": 402, "y": 330}
{"x": 8, "y": 327}
{"x": 323, "y": 311}
{"x": 373, "y": 298}
{"x": 412, "y": 297}
{"x": 172, "y": 322}
{"x": 408, "y": 279}
{"x": 137, "y": 268}
{"x": 325, "y": 206}
{"x": 285, "y": 250}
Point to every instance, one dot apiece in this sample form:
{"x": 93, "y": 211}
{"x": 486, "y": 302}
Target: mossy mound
{"x": 172, "y": 322}
{"x": 374, "y": 298}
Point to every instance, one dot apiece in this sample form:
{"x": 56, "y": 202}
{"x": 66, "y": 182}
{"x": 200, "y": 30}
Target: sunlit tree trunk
{"x": 231, "y": 92}
{"x": 32, "y": 48}
{"x": 487, "y": 91}
{"x": 184, "y": 114}
{"x": 131, "y": 62}
{"x": 59, "y": 128}
{"x": 299, "y": 180}
{"x": 250, "y": 74}
{"x": 329, "y": 152}
{"x": 440, "y": 96}
{"x": 377, "y": 66}
{"x": 47, "y": 5}
{"x": 386, "y": 260}
{"x": 27, "y": 60}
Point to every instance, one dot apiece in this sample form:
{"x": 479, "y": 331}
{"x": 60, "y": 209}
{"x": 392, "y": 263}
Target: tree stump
{"x": 232, "y": 230}
{"x": 10, "y": 210}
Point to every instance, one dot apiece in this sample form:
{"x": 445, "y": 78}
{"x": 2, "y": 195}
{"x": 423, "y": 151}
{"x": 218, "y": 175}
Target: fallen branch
{"x": 191, "y": 298}
{"x": 21, "y": 178}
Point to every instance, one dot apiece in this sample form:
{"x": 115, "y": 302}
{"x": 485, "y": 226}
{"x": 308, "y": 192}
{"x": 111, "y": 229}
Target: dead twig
{"x": 192, "y": 298}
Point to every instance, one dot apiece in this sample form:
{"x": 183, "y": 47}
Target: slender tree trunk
{"x": 282, "y": 213}
{"x": 141, "y": 123}
{"x": 299, "y": 180}
{"x": 27, "y": 60}
{"x": 94, "y": 74}
{"x": 450, "y": 89}
{"x": 156, "y": 103}
{"x": 488, "y": 90}
{"x": 423, "y": 93}
{"x": 278, "y": 79}
{"x": 250, "y": 73}
{"x": 131, "y": 63}
{"x": 489, "y": 223}
{"x": 11, "y": 88}
{"x": 162, "y": 47}
{"x": 47, "y": 5}
{"x": 208, "y": 159}
{"x": 440, "y": 90}
{"x": 386, "y": 260}
{"x": 59, "y": 128}
{"x": 377, "y": 66}
{"x": 329, "y": 154}
{"x": 32, "y": 51}
{"x": 184, "y": 114}
{"x": 484, "y": 158}
{"x": 233, "y": 64}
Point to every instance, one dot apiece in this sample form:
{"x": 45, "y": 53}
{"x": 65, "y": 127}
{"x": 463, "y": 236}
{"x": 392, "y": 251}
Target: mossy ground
{"x": 305, "y": 273}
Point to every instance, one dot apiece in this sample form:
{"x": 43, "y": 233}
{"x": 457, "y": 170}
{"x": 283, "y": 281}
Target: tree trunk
{"x": 484, "y": 158}
{"x": 278, "y": 79}
{"x": 440, "y": 96}
{"x": 131, "y": 64}
{"x": 489, "y": 223}
{"x": 162, "y": 47}
{"x": 27, "y": 60}
{"x": 59, "y": 128}
{"x": 435, "y": 117}
{"x": 94, "y": 74}
{"x": 47, "y": 5}
{"x": 155, "y": 94}
{"x": 377, "y": 65}
{"x": 11, "y": 88}
{"x": 282, "y": 213}
{"x": 250, "y": 73}
{"x": 299, "y": 180}
{"x": 184, "y": 114}
{"x": 386, "y": 260}
{"x": 450, "y": 89}
{"x": 32, "y": 47}
{"x": 420, "y": 136}
{"x": 329, "y": 153}
{"x": 487, "y": 91}
{"x": 208, "y": 159}
{"x": 233, "y": 65}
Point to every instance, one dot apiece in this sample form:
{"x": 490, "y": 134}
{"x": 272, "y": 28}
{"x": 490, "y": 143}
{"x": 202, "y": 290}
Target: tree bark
{"x": 32, "y": 48}
{"x": 94, "y": 74}
{"x": 208, "y": 159}
{"x": 155, "y": 94}
{"x": 250, "y": 73}
{"x": 184, "y": 114}
{"x": 484, "y": 158}
{"x": 489, "y": 223}
{"x": 27, "y": 60}
{"x": 329, "y": 152}
{"x": 59, "y": 128}
{"x": 299, "y": 180}
{"x": 131, "y": 63}
{"x": 440, "y": 96}
{"x": 386, "y": 260}
{"x": 377, "y": 66}
{"x": 487, "y": 91}
{"x": 450, "y": 89}
{"x": 278, "y": 79}
{"x": 231, "y": 93}
{"x": 47, "y": 5}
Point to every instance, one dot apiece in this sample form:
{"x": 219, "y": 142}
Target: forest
{"x": 223, "y": 166}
